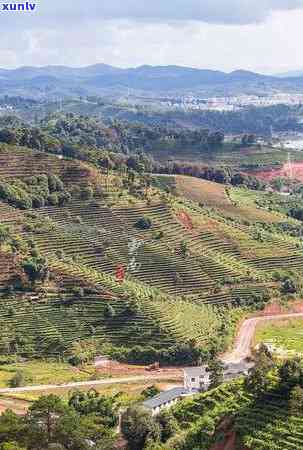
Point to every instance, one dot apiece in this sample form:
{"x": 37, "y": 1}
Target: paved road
{"x": 107, "y": 381}
{"x": 246, "y": 334}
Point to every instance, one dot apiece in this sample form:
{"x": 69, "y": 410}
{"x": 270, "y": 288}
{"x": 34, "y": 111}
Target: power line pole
{"x": 289, "y": 167}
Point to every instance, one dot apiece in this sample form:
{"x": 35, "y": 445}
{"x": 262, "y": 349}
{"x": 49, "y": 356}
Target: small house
{"x": 196, "y": 379}
{"x": 164, "y": 400}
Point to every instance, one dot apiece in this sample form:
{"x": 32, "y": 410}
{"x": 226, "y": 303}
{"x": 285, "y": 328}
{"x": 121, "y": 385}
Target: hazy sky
{"x": 260, "y": 35}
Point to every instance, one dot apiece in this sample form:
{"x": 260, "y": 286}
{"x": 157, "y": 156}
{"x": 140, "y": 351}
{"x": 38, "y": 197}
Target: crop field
{"x": 101, "y": 237}
{"x": 253, "y": 158}
{"x": 202, "y": 191}
{"x": 42, "y": 372}
{"x": 285, "y": 335}
{"x": 216, "y": 195}
{"x": 214, "y": 247}
{"x": 22, "y": 163}
{"x": 140, "y": 315}
{"x": 265, "y": 157}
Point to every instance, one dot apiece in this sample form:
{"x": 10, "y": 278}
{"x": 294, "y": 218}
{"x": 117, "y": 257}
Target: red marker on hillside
{"x": 120, "y": 273}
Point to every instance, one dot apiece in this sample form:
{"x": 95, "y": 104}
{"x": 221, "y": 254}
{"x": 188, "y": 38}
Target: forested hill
{"x": 66, "y": 81}
{"x": 61, "y": 132}
{"x": 257, "y": 120}
{"x": 111, "y": 144}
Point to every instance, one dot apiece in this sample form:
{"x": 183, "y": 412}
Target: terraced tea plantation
{"x": 231, "y": 155}
{"x": 192, "y": 261}
{"x": 266, "y": 424}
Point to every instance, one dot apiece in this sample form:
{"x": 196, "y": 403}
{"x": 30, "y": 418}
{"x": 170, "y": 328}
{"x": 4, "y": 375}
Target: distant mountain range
{"x": 102, "y": 79}
{"x": 291, "y": 74}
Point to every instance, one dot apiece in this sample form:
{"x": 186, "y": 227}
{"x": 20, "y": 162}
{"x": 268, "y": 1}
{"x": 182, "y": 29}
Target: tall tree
{"x": 138, "y": 427}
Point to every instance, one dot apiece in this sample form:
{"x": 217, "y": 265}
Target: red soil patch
{"x": 297, "y": 307}
{"x": 276, "y": 309}
{"x": 186, "y": 220}
{"x": 117, "y": 369}
{"x": 19, "y": 407}
{"x": 295, "y": 171}
{"x": 229, "y": 442}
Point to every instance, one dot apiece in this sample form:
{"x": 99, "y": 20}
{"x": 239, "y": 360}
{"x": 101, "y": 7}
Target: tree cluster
{"x": 142, "y": 430}
{"x": 65, "y": 133}
{"x": 86, "y": 421}
{"x": 34, "y": 192}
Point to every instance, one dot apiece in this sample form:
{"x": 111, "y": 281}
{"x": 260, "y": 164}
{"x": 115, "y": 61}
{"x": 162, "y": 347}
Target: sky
{"x": 259, "y": 35}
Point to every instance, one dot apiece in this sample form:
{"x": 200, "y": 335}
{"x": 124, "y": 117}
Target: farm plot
{"x": 286, "y": 335}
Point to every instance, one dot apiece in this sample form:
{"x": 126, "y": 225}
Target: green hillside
{"x": 261, "y": 412}
{"x": 262, "y": 424}
{"x": 197, "y": 258}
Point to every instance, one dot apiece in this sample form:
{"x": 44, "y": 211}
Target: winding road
{"x": 241, "y": 351}
{"x": 246, "y": 334}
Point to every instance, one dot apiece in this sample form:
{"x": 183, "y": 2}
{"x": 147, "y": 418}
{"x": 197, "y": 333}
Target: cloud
{"x": 217, "y": 34}
{"x": 60, "y": 12}
{"x": 209, "y": 11}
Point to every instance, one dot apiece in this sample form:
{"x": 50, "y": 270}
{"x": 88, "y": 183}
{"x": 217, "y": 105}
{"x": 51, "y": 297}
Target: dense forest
{"x": 261, "y": 121}
{"x": 124, "y": 146}
{"x": 57, "y": 131}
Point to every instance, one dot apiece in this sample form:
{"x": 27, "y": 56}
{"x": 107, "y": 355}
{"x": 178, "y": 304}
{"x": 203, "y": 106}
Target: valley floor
{"x": 242, "y": 350}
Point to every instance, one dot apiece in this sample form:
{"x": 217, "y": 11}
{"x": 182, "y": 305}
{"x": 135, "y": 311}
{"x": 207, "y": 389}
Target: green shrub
{"x": 38, "y": 201}
{"x": 158, "y": 235}
{"x": 36, "y": 269}
{"x": 18, "y": 380}
{"x": 139, "y": 427}
{"x": 144, "y": 223}
{"x": 64, "y": 198}
{"x": 54, "y": 183}
{"x": 34, "y": 192}
{"x": 87, "y": 193}
{"x": 150, "y": 391}
{"x": 53, "y": 199}
{"x": 109, "y": 312}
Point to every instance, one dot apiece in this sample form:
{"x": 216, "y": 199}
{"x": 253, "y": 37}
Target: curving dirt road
{"x": 246, "y": 334}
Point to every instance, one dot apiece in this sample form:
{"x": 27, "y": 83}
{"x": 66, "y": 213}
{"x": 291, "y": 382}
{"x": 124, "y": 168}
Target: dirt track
{"x": 108, "y": 381}
{"x": 246, "y": 334}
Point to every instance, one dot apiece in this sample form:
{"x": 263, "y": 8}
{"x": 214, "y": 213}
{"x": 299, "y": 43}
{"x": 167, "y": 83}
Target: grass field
{"x": 43, "y": 372}
{"x": 286, "y": 335}
{"x": 233, "y": 156}
{"x": 231, "y": 202}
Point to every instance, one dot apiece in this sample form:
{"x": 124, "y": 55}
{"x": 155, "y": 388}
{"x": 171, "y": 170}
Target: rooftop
{"x": 195, "y": 371}
{"x": 164, "y": 397}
